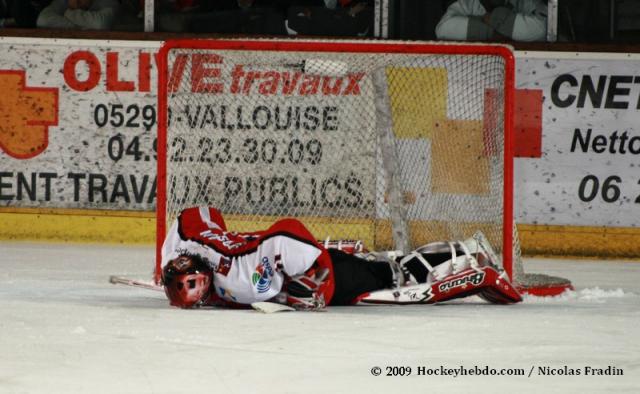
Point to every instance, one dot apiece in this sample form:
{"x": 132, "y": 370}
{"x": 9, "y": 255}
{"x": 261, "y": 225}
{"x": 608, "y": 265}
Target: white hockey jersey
{"x": 247, "y": 267}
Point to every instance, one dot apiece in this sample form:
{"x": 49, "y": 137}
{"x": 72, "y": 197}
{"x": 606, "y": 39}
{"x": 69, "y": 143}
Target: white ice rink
{"x": 65, "y": 329}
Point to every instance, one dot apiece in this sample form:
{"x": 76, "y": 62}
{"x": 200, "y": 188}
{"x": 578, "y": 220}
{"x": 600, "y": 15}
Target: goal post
{"x": 395, "y": 144}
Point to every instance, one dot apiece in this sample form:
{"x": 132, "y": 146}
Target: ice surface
{"x": 65, "y": 329}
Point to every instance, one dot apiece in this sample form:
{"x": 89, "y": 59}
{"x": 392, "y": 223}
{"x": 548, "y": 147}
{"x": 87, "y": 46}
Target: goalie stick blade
{"x": 117, "y": 280}
{"x": 271, "y": 307}
{"x": 264, "y": 307}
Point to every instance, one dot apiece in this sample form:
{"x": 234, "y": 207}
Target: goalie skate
{"x": 487, "y": 282}
{"x": 437, "y": 260}
{"x": 481, "y": 248}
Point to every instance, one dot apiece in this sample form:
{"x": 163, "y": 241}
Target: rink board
{"x": 576, "y": 184}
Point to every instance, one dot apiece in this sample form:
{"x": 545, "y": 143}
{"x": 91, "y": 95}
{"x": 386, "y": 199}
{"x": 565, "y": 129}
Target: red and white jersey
{"x": 247, "y": 267}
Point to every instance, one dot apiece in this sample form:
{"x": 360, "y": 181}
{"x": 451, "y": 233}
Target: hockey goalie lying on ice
{"x": 205, "y": 264}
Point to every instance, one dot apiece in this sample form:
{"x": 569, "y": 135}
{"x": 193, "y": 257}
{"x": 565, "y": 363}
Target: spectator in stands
{"x": 488, "y": 20}
{"x": 26, "y": 12}
{"x": 245, "y": 16}
{"x": 176, "y": 15}
{"x": 224, "y": 16}
{"x": 346, "y": 18}
{"x": 130, "y": 16}
{"x": 79, "y": 14}
{"x": 6, "y": 17}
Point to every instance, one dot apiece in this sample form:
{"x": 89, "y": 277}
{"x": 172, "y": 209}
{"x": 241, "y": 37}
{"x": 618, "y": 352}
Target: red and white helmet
{"x": 187, "y": 281}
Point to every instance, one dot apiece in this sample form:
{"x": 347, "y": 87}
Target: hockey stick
{"x": 134, "y": 283}
{"x": 270, "y": 307}
{"x": 264, "y": 307}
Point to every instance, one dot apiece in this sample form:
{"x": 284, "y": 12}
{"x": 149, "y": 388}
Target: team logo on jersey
{"x": 261, "y": 278}
{"x": 224, "y": 266}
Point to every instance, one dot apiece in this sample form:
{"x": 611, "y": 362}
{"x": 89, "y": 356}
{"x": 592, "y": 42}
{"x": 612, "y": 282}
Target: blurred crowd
{"x": 266, "y": 17}
{"x": 458, "y": 20}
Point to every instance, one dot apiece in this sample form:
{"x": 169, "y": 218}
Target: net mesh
{"x": 394, "y": 149}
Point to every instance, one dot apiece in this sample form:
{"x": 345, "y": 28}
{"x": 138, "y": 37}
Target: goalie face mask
{"x": 187, "y": 281}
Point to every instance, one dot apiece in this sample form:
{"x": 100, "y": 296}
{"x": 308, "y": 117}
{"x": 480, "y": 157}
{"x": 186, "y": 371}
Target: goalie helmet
{"x": 187, "y": 281}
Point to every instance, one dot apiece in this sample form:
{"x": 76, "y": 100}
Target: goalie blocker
{"x": 205, "y": 264}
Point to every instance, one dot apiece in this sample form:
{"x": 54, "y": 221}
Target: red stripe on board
{"x": 527, "y": 131}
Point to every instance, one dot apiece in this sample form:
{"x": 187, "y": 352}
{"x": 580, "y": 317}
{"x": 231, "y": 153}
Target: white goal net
{"x": 394, "y": 144}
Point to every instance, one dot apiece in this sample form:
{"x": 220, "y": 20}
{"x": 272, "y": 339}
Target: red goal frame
{"x": 502, "y": 51}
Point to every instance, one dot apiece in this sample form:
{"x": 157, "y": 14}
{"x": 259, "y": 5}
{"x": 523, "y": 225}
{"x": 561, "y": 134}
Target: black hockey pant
{"x": 355, "y": 276}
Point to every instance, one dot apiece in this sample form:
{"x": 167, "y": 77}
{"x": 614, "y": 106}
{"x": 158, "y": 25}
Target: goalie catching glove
{"x": 303, "y": 291}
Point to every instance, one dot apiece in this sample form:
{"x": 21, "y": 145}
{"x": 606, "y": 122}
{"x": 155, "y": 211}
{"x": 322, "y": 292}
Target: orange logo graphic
{"x": 25, "y": 115}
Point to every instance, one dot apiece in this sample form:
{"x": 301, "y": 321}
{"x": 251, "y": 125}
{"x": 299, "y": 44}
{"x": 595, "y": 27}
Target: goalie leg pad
{"x": 486, "y": 282}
